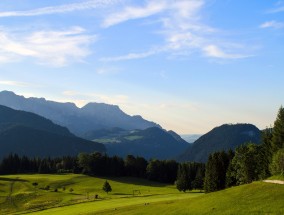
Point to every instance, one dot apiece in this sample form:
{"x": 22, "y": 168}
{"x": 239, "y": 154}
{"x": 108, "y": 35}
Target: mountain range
{"x": 92, "y": 116}
{"x": 105, "y": 128}
{"x": 28, "y": 134}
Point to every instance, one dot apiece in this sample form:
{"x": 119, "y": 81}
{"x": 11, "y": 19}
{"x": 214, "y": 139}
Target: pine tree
{"x": 277, "y": 165}
{"x": 181, "y": 182}
{"x": 278, "y": 131}
{"x": 107, "y": 188}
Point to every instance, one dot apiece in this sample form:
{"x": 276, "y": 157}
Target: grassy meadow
{"x": 19, "y": 196}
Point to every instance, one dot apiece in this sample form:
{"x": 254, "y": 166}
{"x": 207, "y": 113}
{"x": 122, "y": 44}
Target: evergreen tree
{"x": 216, "y": 169}
{"x": 182, "y": 182}
{"x": 107, "y": 188}
{"x": 278, "y": 131}
{"x": 277, "y": 165}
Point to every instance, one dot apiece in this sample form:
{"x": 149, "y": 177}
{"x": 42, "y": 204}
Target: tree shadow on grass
{"x": 135, "y": 181}
{"x": 122, "y": 194}
{"x": 13, "y": 179}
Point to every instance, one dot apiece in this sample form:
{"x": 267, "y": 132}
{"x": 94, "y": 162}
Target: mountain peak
{"x": 6, "y": 92}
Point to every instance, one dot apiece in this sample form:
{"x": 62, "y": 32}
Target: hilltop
{"x": 224, "y": 137}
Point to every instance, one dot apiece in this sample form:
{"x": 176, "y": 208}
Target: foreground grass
{"x": 18, "y": 195}
{"x": 256, "y": 199}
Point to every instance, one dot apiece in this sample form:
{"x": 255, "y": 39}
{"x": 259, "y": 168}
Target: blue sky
{"x": 189, "y": 65}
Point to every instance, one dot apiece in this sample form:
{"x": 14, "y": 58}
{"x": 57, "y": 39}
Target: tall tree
{"x": 107, "y": 188}
{"x": 183, "y": 182}
{"x": 277, "y": 165}
{"x": 215, "y": 173}
{"x": 278, "y": 131}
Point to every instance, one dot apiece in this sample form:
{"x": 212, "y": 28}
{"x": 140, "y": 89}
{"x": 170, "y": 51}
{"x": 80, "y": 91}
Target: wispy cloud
{"x": 276, "y": 10}
{"x": 129, "y": 13}
{"x": 15, "y": 83}
{"x": 181, "y": 26}
{"x": 272, "y": 24}
{"x": 61, "y": 8}
{"x": 217, "y": 52}
{"x": 54, "y": 48}
{"x": 132, "y": 56}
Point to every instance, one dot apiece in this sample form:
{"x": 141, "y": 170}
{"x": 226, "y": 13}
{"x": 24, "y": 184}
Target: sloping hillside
{"x": 224, "y": 137}
{"x": 149, "y": 143}
{"x": 28, "y": 134}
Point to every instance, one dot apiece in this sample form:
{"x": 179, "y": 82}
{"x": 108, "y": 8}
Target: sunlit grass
{"x": 26, "y": 197}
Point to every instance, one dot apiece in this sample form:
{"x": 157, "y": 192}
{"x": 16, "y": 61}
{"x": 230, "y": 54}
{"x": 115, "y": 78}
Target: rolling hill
{"x": 224, "y": 137}
{"x": 32, "y": 135}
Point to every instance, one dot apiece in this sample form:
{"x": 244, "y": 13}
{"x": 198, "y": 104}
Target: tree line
{"x": 98, "y": 164}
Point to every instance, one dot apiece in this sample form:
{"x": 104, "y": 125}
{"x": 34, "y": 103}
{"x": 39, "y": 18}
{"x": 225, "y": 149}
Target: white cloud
{"x": 182, "y": 29}
{"x": 216, "y": 52}
{"x": 61, "y": 8}
{"x": 54, "y": 48}
{"x": 128, "y": 13}
{"x": 272, "y": 24}
{"x": 15, "y": 83}
{"x": 131, "y": 56}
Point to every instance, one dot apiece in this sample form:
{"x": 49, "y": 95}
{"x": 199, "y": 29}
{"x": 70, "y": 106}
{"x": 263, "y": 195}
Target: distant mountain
{"x": 190, "y": 138}
{"x": 149, "y": 143}
{"x": 32, "y": 135}
{"x": 220, "y": 138}
{"x": 91, "y": 117}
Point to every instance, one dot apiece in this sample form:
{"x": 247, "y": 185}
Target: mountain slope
{"x": 28, "y": 134}
{"x": 220, "y": 138}
{"x": 9, "y": 116}
{"x": 93, "y": 116}
{"x": 149, "y": 143}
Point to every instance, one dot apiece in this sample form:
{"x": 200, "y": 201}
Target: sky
{"x": 189, "y": 65}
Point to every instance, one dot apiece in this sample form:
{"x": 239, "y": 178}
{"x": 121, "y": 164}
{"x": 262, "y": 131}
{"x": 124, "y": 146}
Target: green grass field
{"x": 18, "y": 196}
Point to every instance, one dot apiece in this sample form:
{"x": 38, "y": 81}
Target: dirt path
{"x": 274, "y": 181}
